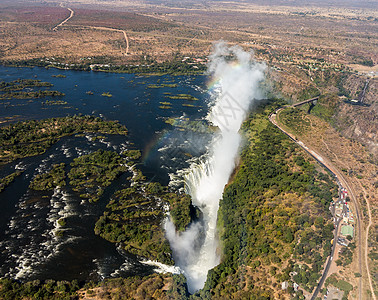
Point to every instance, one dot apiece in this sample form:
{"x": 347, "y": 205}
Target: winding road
{"x": 325, "y": 162}
{"x": 65, "y": 20}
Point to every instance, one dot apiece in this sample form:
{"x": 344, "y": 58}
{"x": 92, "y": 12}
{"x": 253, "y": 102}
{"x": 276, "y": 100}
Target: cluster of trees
{"x": 5, "y": 181}
{"x": 30, "y": 95}
{"x": 14, "y": 89}
{"x": 54, "y": 102}
{"x": 340, "y": 284}
{"x": 182, "y": 97}
{"x": 20, "y": 84}
{"x": 49, "y": 289}
{"x": 346, "y": 255}
{"x": 91, "y": 173}
{"x": 33, "y": 137}
{"x": 176, "y": 66}
{"x": 135, "y": 220}
{"x": 48, "y": 181}
{"x": 134, "y": 217}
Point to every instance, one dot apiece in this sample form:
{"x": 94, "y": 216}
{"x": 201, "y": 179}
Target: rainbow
{"x": 155, "y": 143}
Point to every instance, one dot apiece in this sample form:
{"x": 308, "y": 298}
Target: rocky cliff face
{"x": 360, "y": 121}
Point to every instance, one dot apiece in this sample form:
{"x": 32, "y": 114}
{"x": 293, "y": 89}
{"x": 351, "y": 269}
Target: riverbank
{"x": 176, "y": 67}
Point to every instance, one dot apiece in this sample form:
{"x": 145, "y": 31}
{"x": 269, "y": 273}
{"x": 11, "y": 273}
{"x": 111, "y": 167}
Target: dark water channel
{"x": 29, "y": 248}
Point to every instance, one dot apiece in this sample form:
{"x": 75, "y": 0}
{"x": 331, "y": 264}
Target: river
{"x": 28, "y": 248}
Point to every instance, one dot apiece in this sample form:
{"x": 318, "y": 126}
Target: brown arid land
{"x": 315, "y": 49}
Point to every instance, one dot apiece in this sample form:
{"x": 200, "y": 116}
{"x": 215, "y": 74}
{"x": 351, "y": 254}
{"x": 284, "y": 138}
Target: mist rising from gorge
{"x": 234, "y": 82}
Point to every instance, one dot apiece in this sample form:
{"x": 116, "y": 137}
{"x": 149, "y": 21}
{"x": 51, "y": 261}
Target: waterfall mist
{"x": 235, "y": 77}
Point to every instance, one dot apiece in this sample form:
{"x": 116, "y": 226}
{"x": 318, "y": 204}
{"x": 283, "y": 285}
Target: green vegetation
{"x": 174, "y": 67}
{"x": 180, "y": 208}
{"x": 158, "y": 86}
{"x": 62, "y": 222}
{"x": 20, "y": 84}
{"x": 134, "y": 218}
{"x": 59, "y": 76}
{"x": 30, "y": 95}
{"x": 346, "y": 255}
{"x": 7, "y": 180}
{"x": 48, "y": 181}
{"x": 32, "y": 137}
{"x": 132, "y": 154}
{"x": 54, "y": 102}
{"x": 182, "y": 97}
{"x": 308, "y": 93}
{"x": 295, "y": 118}
{"x": 91, "y": 173}
{"x": 325, "y": 108}
{"x": 154, "y": 286}
{"x": 340, "y": 284}
{"x": 196, "y": 126}
{"x": 107, "y": 94}
{"x": 165, "y": 103}
{"x": 49, "y": 289}
{"x": 273, "y": 218}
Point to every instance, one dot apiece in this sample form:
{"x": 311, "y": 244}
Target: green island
{"x": 48, "y": 181}
{"x": 91, "y": 173}
{"x": 165, "y": 107}
{"x": 54, "y": 102}
{"x": 30, "y": 95}
{"x": 157, "y": 86}
{"x": 165, "y": 103}
{"x": 33, "y": 137}
{"x": 134, "y": 218}
{"x": 199, "y": 126}
{"x": 20, "y": 84}
{"x": 59, "y": 76}
{"x": 7, "y": 180}
{"x": 106, "y": 94}
{"x": 182, "y": 97}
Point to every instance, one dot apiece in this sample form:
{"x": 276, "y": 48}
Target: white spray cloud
{"x": 238, "y": 77}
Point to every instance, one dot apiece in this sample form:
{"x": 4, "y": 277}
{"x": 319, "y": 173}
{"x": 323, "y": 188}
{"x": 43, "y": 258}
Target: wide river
{"x": 28, "y": 247}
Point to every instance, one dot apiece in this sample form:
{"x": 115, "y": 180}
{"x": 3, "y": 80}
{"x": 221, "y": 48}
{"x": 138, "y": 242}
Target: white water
{"x": 195, "y": 250}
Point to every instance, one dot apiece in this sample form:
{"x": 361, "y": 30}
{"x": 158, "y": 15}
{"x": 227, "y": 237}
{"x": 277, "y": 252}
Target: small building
{"x": 347, "y": 230}
{"x": 284, "y": 285}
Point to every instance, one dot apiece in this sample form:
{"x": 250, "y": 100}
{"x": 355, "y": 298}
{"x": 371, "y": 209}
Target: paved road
{"x": 344, "y": 183}
{"x": 335, "y": 237}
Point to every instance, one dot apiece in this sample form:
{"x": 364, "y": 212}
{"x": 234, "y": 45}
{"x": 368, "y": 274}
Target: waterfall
{"x": 235, "y": 85}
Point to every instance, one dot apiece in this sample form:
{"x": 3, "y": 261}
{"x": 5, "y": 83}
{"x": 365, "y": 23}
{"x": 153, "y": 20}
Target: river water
{"x": 29, "y": 248}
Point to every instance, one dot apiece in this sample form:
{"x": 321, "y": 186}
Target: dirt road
{"x": 114, "y": 29}
{"x": 96, "y": 27}
{"x": 65, "y": 20}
